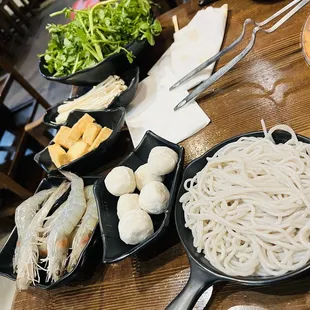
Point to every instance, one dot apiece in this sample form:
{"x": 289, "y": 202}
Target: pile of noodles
{"x": 249, "y": 208}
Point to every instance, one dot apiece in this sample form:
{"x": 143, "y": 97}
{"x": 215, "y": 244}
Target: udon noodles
{"x": 249, "y": 207}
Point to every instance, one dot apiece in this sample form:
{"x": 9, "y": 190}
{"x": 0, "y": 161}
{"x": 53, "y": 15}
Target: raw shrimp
{"x": 24, "y": 213}
{"x": 85, "y": 230}
{"x": 58, "y": 239}
{"x": 88, "y": 191}
{"x": 48, "y": 226}
{"x": 53, "y": 218}
{"x": 27, "y": 264}
{"x": 43, "y": 246}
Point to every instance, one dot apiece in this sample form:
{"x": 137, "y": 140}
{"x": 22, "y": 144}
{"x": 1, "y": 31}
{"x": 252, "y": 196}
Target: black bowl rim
{"x": 165, "y": 222}
{"x": 52, "y": 285}
{"x": 67, "y": 166}
{"x": 218, "y": 275}
{"x": 110, "y": 106}
{"x": 62, "y": 78}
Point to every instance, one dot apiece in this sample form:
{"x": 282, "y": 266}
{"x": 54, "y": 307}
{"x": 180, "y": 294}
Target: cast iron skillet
{"x": 203, "y": 275}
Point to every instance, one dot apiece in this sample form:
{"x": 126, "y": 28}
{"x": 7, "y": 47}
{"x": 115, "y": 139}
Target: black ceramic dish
{"x": 86, "y": 257}
{"x": 116, "y": 63}
{"x": 114, "y": 248}
{"x": 203, "y": 274}
{"x": 131, "y": 79}
{"x": 113, "y": 119}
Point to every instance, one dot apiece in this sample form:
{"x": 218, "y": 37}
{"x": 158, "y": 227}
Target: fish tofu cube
{"x": 77, "y": 150}
{"x": 103, "y": 135}
{"x": 58, "y": 155}
{"x": 79, "y": 127}
{"x": 62, "y": 137}
{"x": 91, "y": 133}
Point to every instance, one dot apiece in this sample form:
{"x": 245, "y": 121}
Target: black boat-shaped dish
{"x": 113, "y": 119}
{"x": 114, "y": 248}
{"x": 87, "y": 260}
{"x": 114, "y": 64}
{"x": 131, "y": 79}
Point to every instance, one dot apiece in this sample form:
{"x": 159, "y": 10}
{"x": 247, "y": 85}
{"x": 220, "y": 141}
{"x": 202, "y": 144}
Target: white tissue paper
{"x": 152, "y": 108}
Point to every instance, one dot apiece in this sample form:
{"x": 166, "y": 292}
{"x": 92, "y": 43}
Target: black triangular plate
{"x": 114, "y": 248}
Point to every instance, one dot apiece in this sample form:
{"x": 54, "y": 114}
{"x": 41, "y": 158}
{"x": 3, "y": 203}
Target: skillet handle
{"x": 198, "y": 282}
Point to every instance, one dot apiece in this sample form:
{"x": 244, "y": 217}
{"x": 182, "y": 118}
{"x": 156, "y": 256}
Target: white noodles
{"x": 249, "y": 208}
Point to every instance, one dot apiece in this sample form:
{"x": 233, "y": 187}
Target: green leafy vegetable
{"x": 97, "y": 33}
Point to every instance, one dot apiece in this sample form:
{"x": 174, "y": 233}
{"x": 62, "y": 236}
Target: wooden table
{"x": 272, "y": 83}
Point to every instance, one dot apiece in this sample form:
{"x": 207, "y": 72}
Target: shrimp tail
{"x": 15, "y": 257}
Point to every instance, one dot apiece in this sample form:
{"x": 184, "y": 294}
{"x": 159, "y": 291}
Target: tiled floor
{"x": 7, "y": 288}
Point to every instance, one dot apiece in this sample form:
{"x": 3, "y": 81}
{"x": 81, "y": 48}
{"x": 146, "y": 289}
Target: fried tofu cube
{"x": 78, "y": 149}
{"x": 79, "y": 127}
{"x": 75, "y": 133}
{"x": 103, "y": 135}
{"x": 62, "y": 137}
{"x": 58, "y": 155}
{"x": 91, "y": 133}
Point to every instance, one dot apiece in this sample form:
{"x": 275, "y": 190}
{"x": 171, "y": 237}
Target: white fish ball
{"x": 126, "y": 203}
{"x": 121, "y": 180}
{"x": 144, "y": 176}
{"x": 162, "y": 160}
{"x": 154, "y": 198}
{"x": 135, "y": 226}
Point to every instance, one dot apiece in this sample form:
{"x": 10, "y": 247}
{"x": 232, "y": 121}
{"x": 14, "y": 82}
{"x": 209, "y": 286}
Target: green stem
{"x": 98, "y": 50}
{"x": 81, "y": 21}
{"x": 108, "y": 42}
{"x": 91, "y": 23}
{"x": 81, "y": 12}
{"x": 75, "y": 64}
{"x": 106, "y": 29}
{"x": 89, "y": 49}
{"x": 59, "y": 12}
{"x": 105, "y": 40}
{"x": 100, "y": 34}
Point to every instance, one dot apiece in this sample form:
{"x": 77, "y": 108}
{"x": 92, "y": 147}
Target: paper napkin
{"x": 152, "y": 108}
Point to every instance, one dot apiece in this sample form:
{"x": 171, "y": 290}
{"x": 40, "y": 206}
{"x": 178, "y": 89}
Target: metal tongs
{"x": 201, "y": 87}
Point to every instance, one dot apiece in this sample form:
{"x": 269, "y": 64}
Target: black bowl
{"x": 86, "y": 260}
{"x": 114, "y": 248}
{"x": 131, "y": 79}
{"x": 113, "y": 119}
{"x": 113, "y": 64}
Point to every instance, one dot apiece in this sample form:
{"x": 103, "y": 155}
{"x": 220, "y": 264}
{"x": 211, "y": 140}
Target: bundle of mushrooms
{"x": 98, "y": 98}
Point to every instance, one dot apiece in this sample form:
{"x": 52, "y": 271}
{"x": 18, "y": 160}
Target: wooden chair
{"x": 11, "y": 21}
{"x": 15, "y": 75}
{"x": 38, "y": 131}
{"x": 8, "y": 183}
{"x": 18, "y": 15}
{"x": 15, "y": 24}
{"x": 7, "y": 178}
{"x": 30, "y": 6}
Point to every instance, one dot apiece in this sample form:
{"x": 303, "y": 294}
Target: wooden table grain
{"x": 271, "y": 83}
